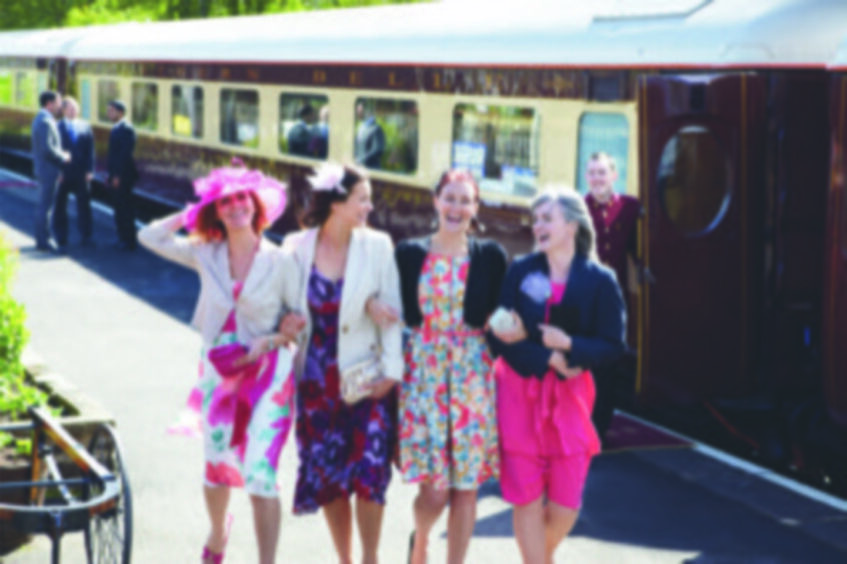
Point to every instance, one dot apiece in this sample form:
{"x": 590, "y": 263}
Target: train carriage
{"x": 726, "y": 120}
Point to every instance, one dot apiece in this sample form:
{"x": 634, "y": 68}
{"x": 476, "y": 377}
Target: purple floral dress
{"x": 343, "y": 449}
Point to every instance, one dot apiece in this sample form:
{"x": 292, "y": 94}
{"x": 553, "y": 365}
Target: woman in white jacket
{"x": 345, "y": 449}
{"x": 245, "y": 386}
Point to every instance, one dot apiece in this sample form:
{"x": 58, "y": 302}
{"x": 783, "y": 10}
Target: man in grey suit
{"x": 370, "y": 140}
{"x": 47, "y": 160}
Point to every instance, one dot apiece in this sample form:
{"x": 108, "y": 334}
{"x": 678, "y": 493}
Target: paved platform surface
{"x": 116, "y": 325}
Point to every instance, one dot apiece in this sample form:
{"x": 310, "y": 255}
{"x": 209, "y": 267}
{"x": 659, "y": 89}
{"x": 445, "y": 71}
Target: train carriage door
{"x": 701, "y": 152}
{"x": 835, "y": 281}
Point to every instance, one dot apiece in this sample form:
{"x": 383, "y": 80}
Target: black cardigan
{"x": 487, "y": 268}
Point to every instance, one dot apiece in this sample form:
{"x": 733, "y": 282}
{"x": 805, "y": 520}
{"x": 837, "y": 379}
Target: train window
{"x": 107, "y": 90}
{"x": 187, "y": 111}
{"x": 6, "y": 87}
{"x": 85, "y": 98}
{"x": 25, "y": 92}
{"x": 145, "y": 105}
{"x": 694, "y": 180}
{"x": 304, "y": 125}
{"x": 607, "y": 133}
{"x": 499, "y": 145}
{"x": 386, "y": 134}
{"x": 240, "y": 117}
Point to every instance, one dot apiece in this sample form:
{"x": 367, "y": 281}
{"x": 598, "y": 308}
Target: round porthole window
{"x": 694, "y": 180}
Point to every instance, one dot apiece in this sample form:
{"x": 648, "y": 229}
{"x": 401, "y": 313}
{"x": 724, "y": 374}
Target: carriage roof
{"x": 613, "y": 33}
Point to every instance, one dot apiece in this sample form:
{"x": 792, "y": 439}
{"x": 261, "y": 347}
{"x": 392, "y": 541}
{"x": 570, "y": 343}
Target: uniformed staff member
{"x": 615, "y": 217}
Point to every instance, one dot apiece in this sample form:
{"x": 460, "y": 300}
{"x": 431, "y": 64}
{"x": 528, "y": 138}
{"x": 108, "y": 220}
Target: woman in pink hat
{"x": 245, "y": 388}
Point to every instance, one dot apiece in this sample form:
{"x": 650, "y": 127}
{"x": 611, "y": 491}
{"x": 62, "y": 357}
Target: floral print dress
{"x": 267, "y": 394}
{"x": 343, "y": 449}
{"x": 448, "y": 424}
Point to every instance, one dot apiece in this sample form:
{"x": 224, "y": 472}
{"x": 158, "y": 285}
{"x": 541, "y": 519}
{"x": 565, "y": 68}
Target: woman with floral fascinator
{"x": 347, "y": 367}
{"x": 245, "y": 389}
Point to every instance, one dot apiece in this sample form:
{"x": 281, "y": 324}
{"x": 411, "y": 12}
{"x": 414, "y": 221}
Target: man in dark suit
{"x": 47, "y": 161}
{"x": 122, "y": 174}
{"x": 77, "y": 140}
{"x": 370, "y": 140}
{"x": 301, "y": 133}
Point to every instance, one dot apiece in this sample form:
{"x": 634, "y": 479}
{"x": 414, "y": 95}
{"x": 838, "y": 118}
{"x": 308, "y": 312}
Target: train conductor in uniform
{"x": 122, "y": 174}
{"x": 77, "y": 140}
{"x": 47, "y": 160}
{"x": 615, "y": 218}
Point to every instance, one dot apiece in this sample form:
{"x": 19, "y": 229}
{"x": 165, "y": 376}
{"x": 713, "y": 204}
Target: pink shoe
{"x": 210, "y": 557}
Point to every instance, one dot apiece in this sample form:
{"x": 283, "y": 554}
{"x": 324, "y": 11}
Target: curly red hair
{"x": 210, "y": 229}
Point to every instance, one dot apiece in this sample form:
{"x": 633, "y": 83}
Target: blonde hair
{"x": 574, "y": 210}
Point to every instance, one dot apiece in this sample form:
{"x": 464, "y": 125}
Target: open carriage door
{"x": 700, "y": 152}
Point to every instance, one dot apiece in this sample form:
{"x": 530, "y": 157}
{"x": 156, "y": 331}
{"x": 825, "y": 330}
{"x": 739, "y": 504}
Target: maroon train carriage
{"x": 729, "y": 123}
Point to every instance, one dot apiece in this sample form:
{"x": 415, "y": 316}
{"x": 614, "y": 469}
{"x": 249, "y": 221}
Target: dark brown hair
{"x": 210, "y": 229}
{"x": 320, "y": 202}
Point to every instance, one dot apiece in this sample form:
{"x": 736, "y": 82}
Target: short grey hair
{"x": 574, "y": 209}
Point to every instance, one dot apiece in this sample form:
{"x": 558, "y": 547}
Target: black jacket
{"x": 487, "y": 267}
{"x": 120, "y": 162}
{"x": 80, "y": 146}
{"x": 591, "y": 311}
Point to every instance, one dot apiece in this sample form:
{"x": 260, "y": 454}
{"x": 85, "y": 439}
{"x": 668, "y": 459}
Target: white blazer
{"x": 370, "y": 271}
{"x": 270, "y": 285}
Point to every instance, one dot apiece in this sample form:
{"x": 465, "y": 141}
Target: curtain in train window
{"x": 606, "y": 133}
{"x": 386, "y": 136}
{"x": 187, "y": 111}
{"x": 240, "y": 117}
{"x": 40, "y": 84}
{"x": 499, "y": 145}
{"x": 304, "y": 125}
{"x": 7, "y": 84}
{"x": 85, "y": 98}
{"x": 25, "y": 94}
{"x": 145, "y": 106}
{"x": 107, "y": 90}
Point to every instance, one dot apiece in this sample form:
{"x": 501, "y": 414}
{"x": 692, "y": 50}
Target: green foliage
{"x": 15, "y": 394}
{"x": 27, "y": 14}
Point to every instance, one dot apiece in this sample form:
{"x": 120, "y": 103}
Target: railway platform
{"x": 116, "y": 324}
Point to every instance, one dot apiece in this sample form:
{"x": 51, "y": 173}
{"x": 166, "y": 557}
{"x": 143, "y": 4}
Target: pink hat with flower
{"x": 226, "y": 181}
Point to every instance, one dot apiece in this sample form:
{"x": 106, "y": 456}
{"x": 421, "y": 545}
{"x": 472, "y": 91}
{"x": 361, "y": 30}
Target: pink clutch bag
{"x": 225, "y": 357}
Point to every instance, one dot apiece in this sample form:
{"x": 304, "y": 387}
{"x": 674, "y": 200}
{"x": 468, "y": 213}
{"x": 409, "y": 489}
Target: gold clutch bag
{"x": 357, "y": 379}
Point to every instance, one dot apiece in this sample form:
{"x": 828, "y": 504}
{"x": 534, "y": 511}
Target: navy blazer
{"x": 81, "y": 148}
{"x": 482, "y": 290}
{"x": 120, "y": 162}
{"x": 592, "y": 312}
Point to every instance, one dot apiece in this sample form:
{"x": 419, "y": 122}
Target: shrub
{"x": 15, "y": 394}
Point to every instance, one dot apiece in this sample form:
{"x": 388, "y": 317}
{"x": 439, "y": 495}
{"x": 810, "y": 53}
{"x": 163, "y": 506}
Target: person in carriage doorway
{"x": 78, "y": 141}
{"x": 122, "y": 174}
{"x": 47, "y": 161}
{"x": 615, "y": 217}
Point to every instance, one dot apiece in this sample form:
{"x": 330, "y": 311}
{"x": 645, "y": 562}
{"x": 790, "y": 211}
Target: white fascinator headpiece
{"x": 327, "y": 178}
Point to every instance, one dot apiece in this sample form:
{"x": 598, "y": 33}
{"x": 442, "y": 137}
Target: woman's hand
{"x": 516, "y": 332}
{"x": 554, "y": 338}
{"x": 559, "y": 363}
{"x": 258, "y": 347}
{"x": 290, "y": 326}
{"x": 380, "y": 388}
{"x": 381, "y": 313}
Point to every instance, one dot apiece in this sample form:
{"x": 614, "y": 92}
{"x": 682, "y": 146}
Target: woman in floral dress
{"x": 345, "y": 450}
{"x": 245, "y": 388}
{"x": 448, "y": 428}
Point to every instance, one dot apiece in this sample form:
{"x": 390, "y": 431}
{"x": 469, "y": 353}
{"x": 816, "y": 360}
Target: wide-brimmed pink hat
{"x": 226, "y": 181}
